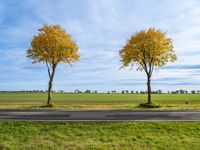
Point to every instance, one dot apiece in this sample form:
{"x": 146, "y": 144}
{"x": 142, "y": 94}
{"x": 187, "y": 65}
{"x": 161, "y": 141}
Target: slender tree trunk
{"x": 50, "y": 84}
{"x": 49, "y": 91}
{"x": 149, "y": 88}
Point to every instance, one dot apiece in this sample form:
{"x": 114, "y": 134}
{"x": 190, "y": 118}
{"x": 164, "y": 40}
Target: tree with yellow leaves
{"x": 148, "y": 49}
{"x": 52, "y": 45}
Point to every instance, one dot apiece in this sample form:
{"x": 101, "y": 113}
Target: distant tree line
{"x": 185, "y": 92}
{"x": 109, "y": 92}
{"x": 140, "y": 92}
{"x": 86, "y": 91}
{"x": 32, "y": 91}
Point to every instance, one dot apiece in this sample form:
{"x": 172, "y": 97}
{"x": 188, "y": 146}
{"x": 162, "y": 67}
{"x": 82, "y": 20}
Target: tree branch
{"x": 49, "y": 73}
{"x": 151, "y": 67}
{"x": 145, "y": 65}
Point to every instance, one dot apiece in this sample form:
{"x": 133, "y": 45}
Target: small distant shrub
{"x": 151, "y": 105}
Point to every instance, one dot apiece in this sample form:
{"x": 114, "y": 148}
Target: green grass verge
{"x": 96, "y": 101}
{"x": 115, "y": 135}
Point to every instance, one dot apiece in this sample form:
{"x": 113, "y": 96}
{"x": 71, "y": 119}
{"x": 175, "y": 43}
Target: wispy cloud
{"x": 182, "y": 67}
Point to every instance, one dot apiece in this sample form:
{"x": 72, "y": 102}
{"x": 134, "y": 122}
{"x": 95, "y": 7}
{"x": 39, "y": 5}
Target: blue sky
{"x": 100, "y": 28}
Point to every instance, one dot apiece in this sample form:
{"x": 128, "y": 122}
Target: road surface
{"x": 98, "y": 115}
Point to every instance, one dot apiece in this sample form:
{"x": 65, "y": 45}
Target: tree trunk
{"x": 149, "y": 88}
{"x": 50, "y": 84}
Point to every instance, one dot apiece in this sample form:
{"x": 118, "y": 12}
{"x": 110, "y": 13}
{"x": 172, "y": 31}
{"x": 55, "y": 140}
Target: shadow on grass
{"x": 149, "y": 105}
{"x": 41, "y": 106}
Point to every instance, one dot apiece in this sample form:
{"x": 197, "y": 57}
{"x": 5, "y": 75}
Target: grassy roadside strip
{"x": 104, "y": 135}
{"x": 97, "y": 106}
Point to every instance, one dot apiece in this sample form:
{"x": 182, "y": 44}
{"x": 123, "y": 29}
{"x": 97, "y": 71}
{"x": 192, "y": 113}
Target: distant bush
{"x": 151, "y": 105}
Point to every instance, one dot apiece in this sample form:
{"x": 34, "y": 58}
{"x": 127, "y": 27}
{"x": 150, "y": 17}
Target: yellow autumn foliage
{"x": 53, "y": 45}
{"x": 148, "y": 49}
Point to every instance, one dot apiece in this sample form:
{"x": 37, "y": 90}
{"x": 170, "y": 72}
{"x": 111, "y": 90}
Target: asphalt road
{"x": 98, "y": 115}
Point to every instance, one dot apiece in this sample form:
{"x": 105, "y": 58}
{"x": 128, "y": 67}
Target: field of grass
{"x": 115, "y": 135}
{"x": 93, "y": 135}
{"x": 96, "y": 101}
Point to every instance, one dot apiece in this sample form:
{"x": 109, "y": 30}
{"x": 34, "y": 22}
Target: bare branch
{"x": 49, "y": 73}
{"x": 144, "y": 64}
{"x": 151, "y": 67}
{"x": 70, "y": 64}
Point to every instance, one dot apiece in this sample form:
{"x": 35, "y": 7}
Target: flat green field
{"x": 98, "y": 135}
{"x": 97, "y": 101}
{"x": 104, "y": 135}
